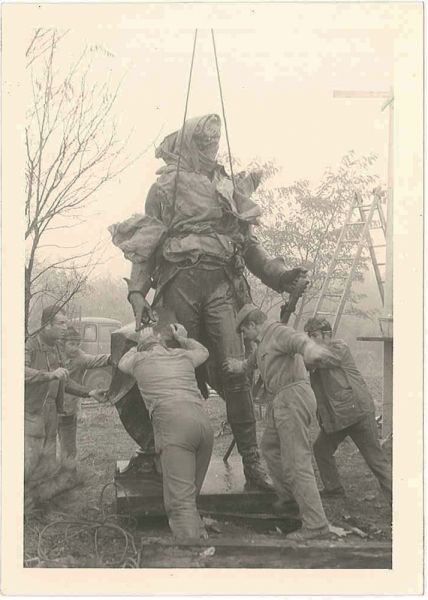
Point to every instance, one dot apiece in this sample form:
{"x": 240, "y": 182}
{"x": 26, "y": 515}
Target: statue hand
{"x": 142, "y": 310}
{"x": 292, "y": 278}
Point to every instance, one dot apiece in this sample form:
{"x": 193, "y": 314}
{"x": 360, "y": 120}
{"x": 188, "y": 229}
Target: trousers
{"x": 67, "y": 434}
{"x": 365, "y": 436}
{"x": 40, "y": 431}
{"x": 286, "y": 447}
{"x": 204, "y": 301}
{"x": 184, "y": 440}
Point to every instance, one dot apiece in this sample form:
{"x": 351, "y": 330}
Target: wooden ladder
{"x": 355, "y": 234}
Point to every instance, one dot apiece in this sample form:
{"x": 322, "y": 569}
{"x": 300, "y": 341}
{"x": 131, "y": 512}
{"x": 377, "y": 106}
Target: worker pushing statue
{"x": 192, "y": 245}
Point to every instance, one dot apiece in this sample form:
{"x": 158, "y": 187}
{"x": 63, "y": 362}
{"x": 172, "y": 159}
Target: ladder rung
{"x": 375, "y": 227}
{"x": 323, "y": 312}
{"x": 333, "y": 294}
{"x": 356, "y": 223}
{"x": 352, "y": 241}
{"x": 381, "y": 264}
{"x": 345, "y": 258}
{"x": 364, "y": 206}
{"x": 378, "y": 246}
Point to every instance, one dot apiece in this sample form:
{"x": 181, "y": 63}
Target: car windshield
{"x": 105, "y": 332}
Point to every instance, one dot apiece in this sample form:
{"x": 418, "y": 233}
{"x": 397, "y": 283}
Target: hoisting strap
{"x": 185, "y": 116}
{"x": 222, "y": 107}
{"x": 184, "y": 124}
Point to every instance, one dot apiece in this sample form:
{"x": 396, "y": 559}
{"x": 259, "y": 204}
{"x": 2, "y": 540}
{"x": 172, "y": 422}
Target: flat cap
{"x": 243, "y": 314}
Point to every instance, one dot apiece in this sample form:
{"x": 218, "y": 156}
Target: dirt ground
{"x": 85, "y": 532}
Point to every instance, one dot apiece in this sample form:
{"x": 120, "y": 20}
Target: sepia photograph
{"x": 210, "y": 200}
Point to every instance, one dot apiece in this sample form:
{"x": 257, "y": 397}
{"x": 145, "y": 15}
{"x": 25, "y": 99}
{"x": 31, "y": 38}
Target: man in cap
{"x": 192, "y": 245}
{"x": 46, "y": 382}
{"x": 285, "y": 445}
{"x": 345, "y": 408}
{"x": 77, "y": 363}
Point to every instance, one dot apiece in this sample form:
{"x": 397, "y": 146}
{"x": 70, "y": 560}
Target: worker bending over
{"x": 182, "y": 430}
{"x": 285, "y": 444}
{"x": 345, "y": 408}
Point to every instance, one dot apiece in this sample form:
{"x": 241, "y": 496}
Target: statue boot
{"x": 246, "y": 442}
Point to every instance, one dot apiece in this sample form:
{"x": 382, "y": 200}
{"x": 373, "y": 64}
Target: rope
{"x": 91, "y": 527}
{"x": 222, "y": 107}
{"x": 184, "y": 125}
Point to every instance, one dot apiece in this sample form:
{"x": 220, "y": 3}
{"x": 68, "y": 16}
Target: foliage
{"x": 302, "y": 223}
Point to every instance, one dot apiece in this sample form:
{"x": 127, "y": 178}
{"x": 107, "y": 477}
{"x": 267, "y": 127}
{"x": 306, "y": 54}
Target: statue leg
{"x": 126, "y": 397}
{"x": 220, "y": 322}
{"x": 204, "y": 302}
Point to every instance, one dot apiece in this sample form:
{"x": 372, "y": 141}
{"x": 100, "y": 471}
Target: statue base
{"x": 223, "y": 496}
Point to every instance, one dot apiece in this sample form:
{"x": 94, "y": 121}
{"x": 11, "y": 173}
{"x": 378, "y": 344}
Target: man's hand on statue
{"x": 99, "y": 395}
{"x": 294, "y": 277}
{"x": 142, "y": 310}
{"x": 233, "y": 366}
{"x": 178, "y": 331}
{"x": 60, "y": 373}
{"x": 314, "y": 356}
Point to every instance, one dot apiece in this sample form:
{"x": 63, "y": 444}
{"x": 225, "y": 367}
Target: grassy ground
{"x": 102, "y": 440}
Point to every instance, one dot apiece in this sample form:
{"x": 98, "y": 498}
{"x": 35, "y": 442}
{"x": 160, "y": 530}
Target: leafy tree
{"x": 302, "y": 223}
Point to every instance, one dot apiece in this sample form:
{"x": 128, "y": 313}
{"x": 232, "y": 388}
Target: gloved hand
{"x": 290, "y": 279}
{"x": 142, "y": 310}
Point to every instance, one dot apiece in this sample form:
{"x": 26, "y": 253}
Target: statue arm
{"x": 140, "y": 277}
{"x": 271, "y": 271}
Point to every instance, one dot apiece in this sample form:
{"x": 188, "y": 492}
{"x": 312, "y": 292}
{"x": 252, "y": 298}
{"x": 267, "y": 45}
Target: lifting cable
{"x": 185, "y": 116}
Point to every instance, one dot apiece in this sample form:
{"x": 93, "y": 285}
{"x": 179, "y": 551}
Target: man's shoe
{"x": 304, "y": 534}
{"x": 338, "y": 492}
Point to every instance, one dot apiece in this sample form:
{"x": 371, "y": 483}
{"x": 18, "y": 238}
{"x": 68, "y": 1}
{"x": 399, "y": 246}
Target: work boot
{"x": 338, "y": 492}
{"x": 246, "y": 442}
{"x": 303, "y": 534}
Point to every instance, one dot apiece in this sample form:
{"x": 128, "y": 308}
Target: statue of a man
{"x": 192, "y": 246}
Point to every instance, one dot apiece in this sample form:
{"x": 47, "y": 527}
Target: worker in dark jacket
{"x": 345, "y": 408}
{"x": 192, "y": 245}
{"x": 46, "y": 382}
{"x": 77, "y": 363}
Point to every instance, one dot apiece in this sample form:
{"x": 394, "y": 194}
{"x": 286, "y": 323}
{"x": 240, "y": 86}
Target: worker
{"x": 77, "y": 363}
{"x": 345, "y": 408}
{"x": 46, "y": 381}
{"x": 182, "y": 430}
{"x": 192, "y": 245}
{"x": 285, "y": 444}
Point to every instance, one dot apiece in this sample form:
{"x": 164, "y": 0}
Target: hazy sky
{"x": 279, "y": 66}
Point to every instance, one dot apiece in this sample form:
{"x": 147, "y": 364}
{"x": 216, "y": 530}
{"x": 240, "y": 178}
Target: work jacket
{"x": 77, "y": 367}
{"x": 279, "y": 357}
{"x": 40, "y": 358}
{"x": 342, "y": 395}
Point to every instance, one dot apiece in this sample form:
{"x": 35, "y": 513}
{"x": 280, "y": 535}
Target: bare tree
{"x": 73, "y": 149}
